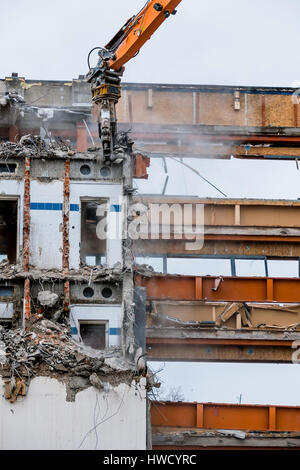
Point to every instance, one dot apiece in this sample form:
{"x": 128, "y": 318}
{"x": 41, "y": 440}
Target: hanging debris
{"x": 46, "y": 348}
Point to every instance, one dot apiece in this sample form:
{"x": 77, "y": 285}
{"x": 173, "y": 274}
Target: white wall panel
{"x": 46, "y": 224}
{"x": 44, "y": 420}
{"x": 87, "y": 312}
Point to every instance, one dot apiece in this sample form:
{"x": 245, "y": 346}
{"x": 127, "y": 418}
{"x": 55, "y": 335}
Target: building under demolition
{"x": 83, "y": 305}
{"x": 67, "y": 296}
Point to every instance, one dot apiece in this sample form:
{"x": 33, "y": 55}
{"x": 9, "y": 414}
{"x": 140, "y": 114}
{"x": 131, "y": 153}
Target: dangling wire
{"x": 198, "y": 174}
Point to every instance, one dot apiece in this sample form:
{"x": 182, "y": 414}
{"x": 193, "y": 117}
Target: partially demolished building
{"x": 67, "y": 306}
{"x": 73, "y": 302}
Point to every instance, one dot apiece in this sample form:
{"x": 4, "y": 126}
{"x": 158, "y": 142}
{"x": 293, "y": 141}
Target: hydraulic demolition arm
{"x": 105, "y": 78}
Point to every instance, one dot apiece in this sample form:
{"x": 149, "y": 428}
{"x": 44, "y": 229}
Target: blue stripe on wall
{"x": 115, "y": 208}
{"x": 51, "y": 206}
{"x": 74, "y": 330}
{"x": 46, "y": 206}
{"x": 114, "y": 331}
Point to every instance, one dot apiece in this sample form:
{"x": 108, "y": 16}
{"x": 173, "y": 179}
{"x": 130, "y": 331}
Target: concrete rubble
{"x": 47, "y": 298}
{"x": 226, "y": 438}
{"x": 48, "y": 148}
{"x": 157, "y": 318}
{"x": 35, "y": 146}
{"x": 85, "y": 273}
{"x": 45, "y": 348}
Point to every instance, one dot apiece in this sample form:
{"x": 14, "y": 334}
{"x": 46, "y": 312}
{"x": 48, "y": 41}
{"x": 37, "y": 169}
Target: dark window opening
{"x": 6, "y": 291}
{"x": 106, "y": 292}
{"x": 85, "y": 170}
{"x": 8, "y": 230}
{"x": 105, "y": 171}
{"x": 93, "y": 335}
{"x": 8, "y": 167}
{"x": 88, "y": 292}
{"x": 93, "y": 232}
{"x": 7, "y": 324}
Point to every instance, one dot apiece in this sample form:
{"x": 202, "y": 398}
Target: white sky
{"x": 232, "y": 42}
{"x": 261, "y": 384}
{"x": 236, "y": 178}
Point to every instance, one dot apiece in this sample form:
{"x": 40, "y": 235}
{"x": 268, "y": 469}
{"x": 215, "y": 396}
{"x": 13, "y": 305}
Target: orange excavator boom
{"x": 139, "y": 29}
{"x": 105, "y": 78}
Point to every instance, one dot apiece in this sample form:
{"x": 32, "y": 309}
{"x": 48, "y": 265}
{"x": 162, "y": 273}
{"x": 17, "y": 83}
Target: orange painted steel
{"x": 227, "y": 289}
{"x": 138, "y": 30}
{"x": 226, "y": 416}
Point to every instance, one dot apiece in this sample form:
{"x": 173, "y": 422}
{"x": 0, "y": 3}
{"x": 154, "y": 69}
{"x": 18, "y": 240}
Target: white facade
{"x": 112, "y": 314}
{"x": 110, "y": 419}
{"x": 12, "y": 189}
{"x": 46, "y": 242}
{"x": 44, "y": 420}
{"x": 82, "y": 190}
{"x": 46, "y": 219}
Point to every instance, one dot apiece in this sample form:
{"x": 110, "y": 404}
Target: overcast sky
{"x": 232, "y": 42}
{"x": 236, "y": 178}
{"x": 264, "y": 384}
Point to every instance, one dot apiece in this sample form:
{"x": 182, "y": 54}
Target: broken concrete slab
{"x": 47, "y": 298}
{"x": 46, "y": 348}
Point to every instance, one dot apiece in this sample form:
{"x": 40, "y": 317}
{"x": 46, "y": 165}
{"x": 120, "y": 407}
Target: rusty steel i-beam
{"x": 229, "y": 289}
{"x": 225, "y": 416}
{"x": 220, "y": 350}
